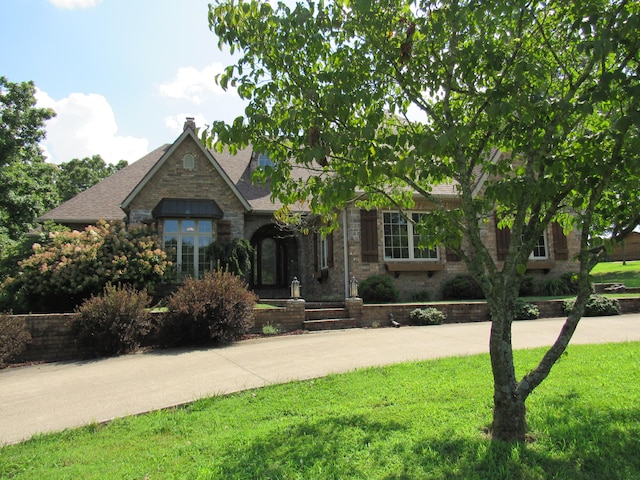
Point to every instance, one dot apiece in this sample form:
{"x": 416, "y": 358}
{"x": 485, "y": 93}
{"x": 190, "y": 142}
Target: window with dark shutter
{"x": 369, "y": 235}
{"x": 560, "y": 242}
{"x": 503, "y": 240}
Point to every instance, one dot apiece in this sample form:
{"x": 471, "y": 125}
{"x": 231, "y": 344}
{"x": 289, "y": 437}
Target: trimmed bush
{"x": 14, "y": 337}
{"x": 597, "y": 306}
{"x": 378, "y": 289}
{"x": 216, "y": 309}
{"x": 462, "y": 287}
{"x": 426, "y": 316}
{"x": 114, "y": 322}
{"x": 524, "y": 311}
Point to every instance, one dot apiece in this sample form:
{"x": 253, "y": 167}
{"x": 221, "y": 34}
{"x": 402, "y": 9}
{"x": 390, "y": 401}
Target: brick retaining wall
{"x": 52, "y": 340}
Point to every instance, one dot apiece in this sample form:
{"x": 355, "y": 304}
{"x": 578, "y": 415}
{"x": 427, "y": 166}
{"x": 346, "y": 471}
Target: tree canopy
{"x": 26, "y": 181}
{"x": 530, "y": 108}
{"x": 77, "y": 175}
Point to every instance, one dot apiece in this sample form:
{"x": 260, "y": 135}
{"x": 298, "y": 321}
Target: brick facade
{"x": 411, "y": 283}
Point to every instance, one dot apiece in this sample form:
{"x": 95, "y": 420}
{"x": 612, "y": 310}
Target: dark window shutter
{"x": 560, "y": 242}
{"x": 316, "y": 252}
{"x": 452, "y": 256}
{"x": 369, "y": 235}
{"x": 330, "y": 250}
{"x": 503, "y": 240}
{"x": 224, "y": 231}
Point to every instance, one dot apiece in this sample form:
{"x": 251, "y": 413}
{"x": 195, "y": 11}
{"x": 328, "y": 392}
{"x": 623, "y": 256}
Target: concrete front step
{"x": 329, "y": 324}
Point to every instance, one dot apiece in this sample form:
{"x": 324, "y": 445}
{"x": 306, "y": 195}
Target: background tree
{"x": 396, "y": 97}
{"x": 26, "y": 181}
{"x": 77, "y": 175}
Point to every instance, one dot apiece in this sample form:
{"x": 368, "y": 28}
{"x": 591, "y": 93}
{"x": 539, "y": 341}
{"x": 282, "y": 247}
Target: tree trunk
{"x": 509, "y": 417}
{"x": 509, "y": 411}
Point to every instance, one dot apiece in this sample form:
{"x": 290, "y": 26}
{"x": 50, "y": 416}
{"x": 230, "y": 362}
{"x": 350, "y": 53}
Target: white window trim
{"x": 545, "y": 243}
{"x": 197, "y": 236}
{"x": 323, "y": 250}
{"x": 410, "y": 234}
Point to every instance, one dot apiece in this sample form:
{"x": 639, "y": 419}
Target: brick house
{"x": 194, "y": 196}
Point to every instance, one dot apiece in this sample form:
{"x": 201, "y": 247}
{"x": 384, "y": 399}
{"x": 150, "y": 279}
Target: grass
{"x": 616, "y": 272}
{"x": 410, "y": 421}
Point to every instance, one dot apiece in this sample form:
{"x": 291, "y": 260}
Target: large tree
{"x": 26, "y": 180}
{"x": 396, "y": 97}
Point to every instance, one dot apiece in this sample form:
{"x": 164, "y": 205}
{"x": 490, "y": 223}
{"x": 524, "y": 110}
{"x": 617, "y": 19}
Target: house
{"x": 626, "y": 250}
{"x": 194, "y": 196}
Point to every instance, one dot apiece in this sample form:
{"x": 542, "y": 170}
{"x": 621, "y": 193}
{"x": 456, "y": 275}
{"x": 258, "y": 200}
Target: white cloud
{"x": 73, "y": 4}
{"x": 194, "y": 85}
{"x": 85, "y": 125}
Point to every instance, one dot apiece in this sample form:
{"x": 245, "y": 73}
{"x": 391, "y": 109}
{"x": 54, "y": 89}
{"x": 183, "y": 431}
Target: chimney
{"x": 190, "y": 123}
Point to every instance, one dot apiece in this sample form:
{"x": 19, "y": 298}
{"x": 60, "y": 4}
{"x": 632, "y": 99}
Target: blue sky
{"x": 122, "y": 75}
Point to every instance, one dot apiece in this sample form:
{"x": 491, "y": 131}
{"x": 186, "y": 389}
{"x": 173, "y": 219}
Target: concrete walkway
{"x": 52, "y": 397}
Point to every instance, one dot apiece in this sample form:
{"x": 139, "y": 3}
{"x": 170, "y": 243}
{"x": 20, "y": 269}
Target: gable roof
{"x": 188, "y": 132}
{"x": 102, "y": 201}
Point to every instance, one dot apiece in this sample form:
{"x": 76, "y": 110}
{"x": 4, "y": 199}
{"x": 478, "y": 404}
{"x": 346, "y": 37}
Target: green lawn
{"x": 616, "y": 272}
{"x": 412, "y": 421}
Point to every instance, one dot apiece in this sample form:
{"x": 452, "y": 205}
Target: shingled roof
{"x": 102, "y": 201}
{"x": 105, "y": 199}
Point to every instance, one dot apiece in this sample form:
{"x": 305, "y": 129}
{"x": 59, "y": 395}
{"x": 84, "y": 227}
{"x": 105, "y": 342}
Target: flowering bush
{"x": 75, "y": 265}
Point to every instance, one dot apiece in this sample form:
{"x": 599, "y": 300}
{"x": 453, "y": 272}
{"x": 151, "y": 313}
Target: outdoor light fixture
{"x": 295, "y": 288}
{"x": 353, "y": 287}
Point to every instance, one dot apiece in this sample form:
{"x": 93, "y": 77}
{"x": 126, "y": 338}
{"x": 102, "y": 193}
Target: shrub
{"x": 269, "y": 329}
{"x": 462, "y": 287}
{"x": 571, "y": 280}
{"x": 72, "y": 266}
{"x": 596, "y": 306}
{"x": 14, "y": 337}
{"x": 426, "y": 316}
{"x": 378, "y": 288}
{"x": 527, "y": 286}
{"x": 214, "y": 309}
{"x": 524, "y": 311}
{"x": 114, "y": 322}
{"x": 422, "y": 296}
{"x": 234, "y": 256}
{"x": 554, "y": 287}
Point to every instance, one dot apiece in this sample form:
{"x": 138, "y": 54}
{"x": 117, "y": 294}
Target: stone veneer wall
{"x": 52, "y": 339}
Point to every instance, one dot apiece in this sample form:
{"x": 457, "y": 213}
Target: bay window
{"x": 186, "y": 242}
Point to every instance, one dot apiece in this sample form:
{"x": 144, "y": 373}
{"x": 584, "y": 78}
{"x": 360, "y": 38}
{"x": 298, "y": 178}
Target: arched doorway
{"x": 275, "y": 261}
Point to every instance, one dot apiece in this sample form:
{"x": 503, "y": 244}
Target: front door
{"x": 275, "y": 261}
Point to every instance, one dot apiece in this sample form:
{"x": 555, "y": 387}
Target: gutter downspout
{"x": 345, "y": 241}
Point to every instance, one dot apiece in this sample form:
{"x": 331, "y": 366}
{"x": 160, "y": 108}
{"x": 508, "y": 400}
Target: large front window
{"x": 403, "y": 240}
{"x": 186, "y": 242}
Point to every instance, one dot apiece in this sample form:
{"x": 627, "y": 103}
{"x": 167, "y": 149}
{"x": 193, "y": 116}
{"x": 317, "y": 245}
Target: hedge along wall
{"x": 52, "y": 339}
